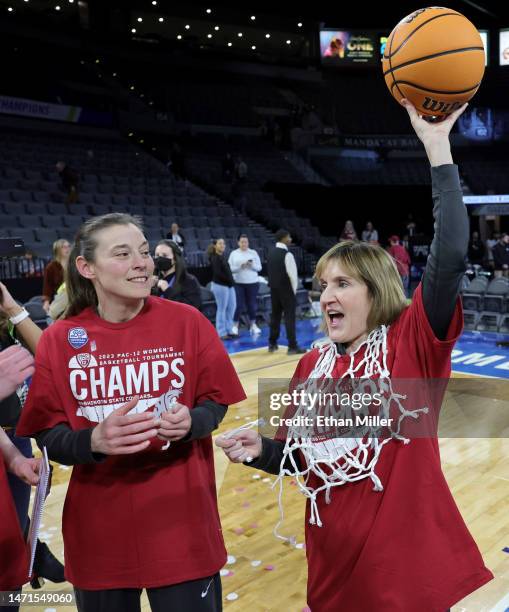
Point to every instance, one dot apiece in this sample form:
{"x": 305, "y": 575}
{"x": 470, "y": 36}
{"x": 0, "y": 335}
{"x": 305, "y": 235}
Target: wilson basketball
{"x": 434, "y": 58}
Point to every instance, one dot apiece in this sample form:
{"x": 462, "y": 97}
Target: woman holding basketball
{"x": 382, "y": 531}
{"x": 128, "y": 388}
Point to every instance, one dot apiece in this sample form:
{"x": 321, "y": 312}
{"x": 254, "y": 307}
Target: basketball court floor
{"x": 265, "y": 574}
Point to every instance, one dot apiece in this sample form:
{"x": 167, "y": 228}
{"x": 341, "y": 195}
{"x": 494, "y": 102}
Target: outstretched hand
{"x": 434, "y": 135}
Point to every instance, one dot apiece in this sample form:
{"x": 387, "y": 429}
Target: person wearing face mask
{"x": 127, "y": 389}
{"x": 173, "y": 282}
{"x": 382, "y": 529}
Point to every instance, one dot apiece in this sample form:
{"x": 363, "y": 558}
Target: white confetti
{"x": 247, "y": 418}
{"x": 224, "y": 572}
{"x": 237, "y": 418}
{"x": 232, "y": 596}
{"x": 256, "y": 563}
{"x": 231, "y": 560}
{"x": 64, "y": 467}
{"x": 256, "y": 476}
{"x": 299, "y": 545}
{"x": 266, "y": 480}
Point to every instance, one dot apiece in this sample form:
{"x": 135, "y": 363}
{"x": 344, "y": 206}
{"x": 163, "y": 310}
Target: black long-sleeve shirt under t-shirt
{"x": 440, "y": 284}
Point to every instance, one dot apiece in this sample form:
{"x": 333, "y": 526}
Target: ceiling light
{"x": 208, "y": 11}
{"x": 179, "y": 37}
{"x": 299, "y": 24}
{"x": 187, "y": 26}
{"x": 71, "y": 1}
{"x": 161, "y": 19}
{"x": 229, "y": 44}
{"x": 97, "y": 61}
{"x": 216, "y": 28}
{"x": 114, "y": 74}
{"x": 209, "y": 35}
{"x": 288, "y": 42}
{"x": 57, "y": 7}
{"x": 253, "y": 17}
{"x": 253, "y": 47}
{"x": 133, "y": 30}
{"x": 130, "y": 134}
{"x": 154, "y": 2}
{"x": 132, "y": 87}
{"x": 267, "y": 35}
{"x": 239, "y": 34}
{"x": 140, "y": 19}
{"x": 10, "y": 9}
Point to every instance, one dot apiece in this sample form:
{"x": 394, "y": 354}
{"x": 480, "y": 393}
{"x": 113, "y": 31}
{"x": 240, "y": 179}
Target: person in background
{"x": 245, "y": 264}
{"x": 501, "y": 256}
{"x": 173, "y": 281}
{"x": 283, "y": 282}
{"x": 370, "y": 234}
{"x": 402, "y": 259}
{"x": 348, "y": 232}
{"x": 476, "y": 250}
{"x": 490, "y": 243}
{"x": 222, "y": 287}
{"x": 176, "y": 236}
{"x": 70, "y": 181}
{"x": 54, "y": 271}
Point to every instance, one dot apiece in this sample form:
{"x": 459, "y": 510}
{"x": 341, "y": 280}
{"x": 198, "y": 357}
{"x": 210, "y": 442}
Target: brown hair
{"x": 80, "y": 290}
{"x": 373, "y": 266}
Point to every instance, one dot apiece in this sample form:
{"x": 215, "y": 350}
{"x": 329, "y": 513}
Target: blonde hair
{"x": 57, "y": 249}
{"x": 373, "y": 266}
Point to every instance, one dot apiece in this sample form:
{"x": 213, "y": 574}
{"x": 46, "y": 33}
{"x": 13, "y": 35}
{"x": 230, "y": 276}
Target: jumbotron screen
{"x": 348, "y": 47}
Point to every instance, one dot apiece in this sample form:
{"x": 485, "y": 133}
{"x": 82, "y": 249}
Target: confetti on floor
{"x": 256, "y": 563}
{"x": 269, "y": 568}
{"x": 231, "y": 560}
{"x": 232, "y": 596}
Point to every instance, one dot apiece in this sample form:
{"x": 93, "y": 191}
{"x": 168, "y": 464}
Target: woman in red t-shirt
{"x": 128, "y": 388}
{"x": 383, "y": 532}
{"x": 16, "y": 365}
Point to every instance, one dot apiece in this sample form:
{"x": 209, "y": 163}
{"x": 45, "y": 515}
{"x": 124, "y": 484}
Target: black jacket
{"x": 221, "y": 271}
{"x": 188, "y": 293}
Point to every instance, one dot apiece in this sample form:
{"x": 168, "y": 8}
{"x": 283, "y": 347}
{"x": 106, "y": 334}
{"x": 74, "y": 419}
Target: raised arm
{"x": 446, "y": 263}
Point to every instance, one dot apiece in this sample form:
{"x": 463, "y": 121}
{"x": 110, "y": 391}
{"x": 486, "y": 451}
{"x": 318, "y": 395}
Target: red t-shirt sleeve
{"x": 415, "y": 333}
{"x": 216, "y": 376}
{"x": 44, "y": 408}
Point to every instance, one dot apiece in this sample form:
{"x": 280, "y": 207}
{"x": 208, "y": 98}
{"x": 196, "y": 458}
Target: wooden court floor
{"x": 266, "y": 574}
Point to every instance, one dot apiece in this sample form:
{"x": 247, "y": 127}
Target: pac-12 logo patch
{"x": 77, "y": 337}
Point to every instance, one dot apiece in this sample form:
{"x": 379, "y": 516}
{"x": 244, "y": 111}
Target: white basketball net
{"x": 338, "y": 461}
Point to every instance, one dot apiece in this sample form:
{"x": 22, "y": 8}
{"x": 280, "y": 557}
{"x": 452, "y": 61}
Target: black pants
{"x": 246, "y": 299}
{"x": 283, "y": 302}
{"x": 202, "y": 595}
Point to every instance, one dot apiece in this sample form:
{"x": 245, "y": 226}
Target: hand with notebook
{"x": 25, "y": 469}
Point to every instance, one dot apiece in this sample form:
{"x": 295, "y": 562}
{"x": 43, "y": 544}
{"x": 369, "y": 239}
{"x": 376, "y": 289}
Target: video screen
{"x": 504, "y": 47}
{"x": 347, "y": 47}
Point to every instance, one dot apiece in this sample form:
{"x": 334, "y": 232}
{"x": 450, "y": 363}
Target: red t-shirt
{"x": 13, "y": 552}
{"x": 401, "y": 257}
{"x": 407, "y": 547}
{"x": 148, "y": 519}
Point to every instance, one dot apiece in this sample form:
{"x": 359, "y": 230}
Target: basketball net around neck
{"x": 341, "y": 460}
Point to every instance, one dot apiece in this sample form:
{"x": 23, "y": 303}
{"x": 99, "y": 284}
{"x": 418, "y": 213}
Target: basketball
{"x": 434, "y": 57}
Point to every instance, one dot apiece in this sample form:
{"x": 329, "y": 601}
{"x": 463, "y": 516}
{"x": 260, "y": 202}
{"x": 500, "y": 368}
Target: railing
{"x": 22, "y": 267}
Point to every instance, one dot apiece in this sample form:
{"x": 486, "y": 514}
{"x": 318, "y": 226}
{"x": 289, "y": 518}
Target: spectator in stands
{"x": 283, "y": 282}
{"x": 228, "y": 168}
{"x": 173, "y": 282}
{"x": 501, "y": 256}
{"x": 490, "y": 243}
{"x": 70, "y": 181}
{"x": 16, "y": 326}
{"x": 402, "y": 259}
{"x": 348, "y": 232}
{"x": 27, "y": 265}
{"x": 476, "y": 250}
{"x": 54, "y": 271}
{"x": 241, "y": 170}
{"x": 222, "y": 287}
{"x": 370, "y": 234}
{"x": 245, "y": 264}
{"x": 175, "y": 235}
